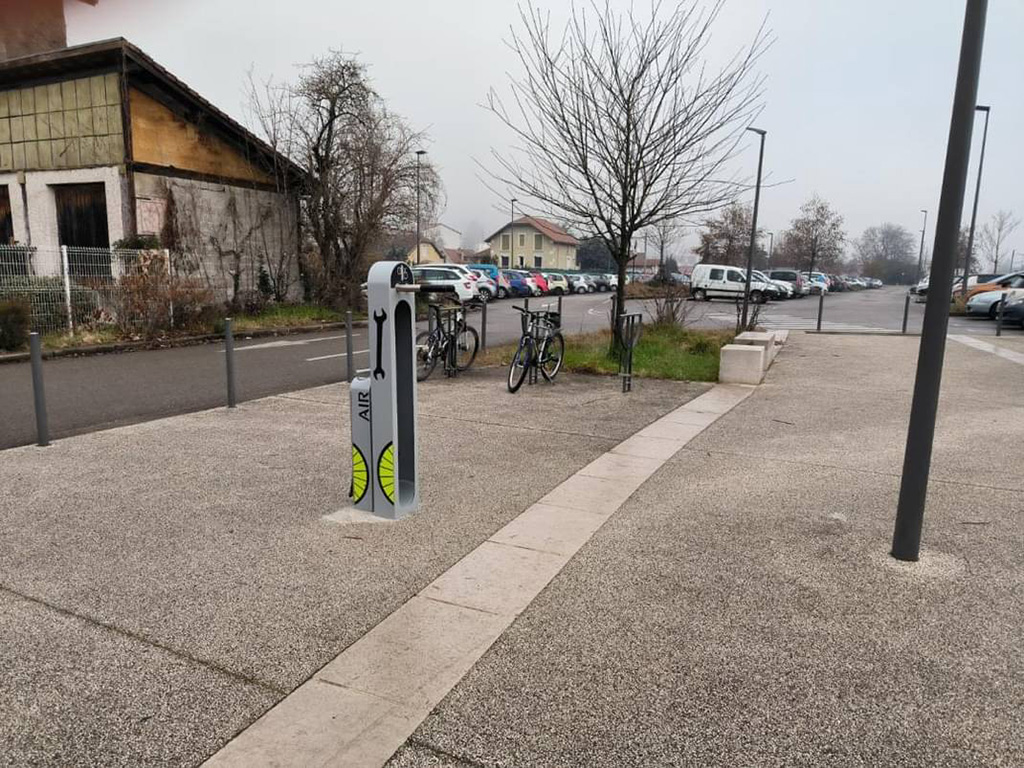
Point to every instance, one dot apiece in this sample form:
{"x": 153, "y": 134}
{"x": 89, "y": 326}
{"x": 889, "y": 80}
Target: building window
{"x": 522, "y": 241}
{"x": 81, "y": 224}
{"x": 538, "y": 262}
{"x": 6, "y": 220}
{"x": 538, "y": 242}
{"x": 504, "y": 262}
{"x": 522, "y": 262}
{"x": 505, "y": 242}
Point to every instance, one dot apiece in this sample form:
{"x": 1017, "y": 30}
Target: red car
{"x": 541, "y": 282}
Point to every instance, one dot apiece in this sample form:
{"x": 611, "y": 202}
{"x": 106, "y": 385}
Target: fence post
{"x": 65, "y": 268}
{"x": 526, "y": 303}
{"x": 999, "y": 315}
{"x": 821, "y": 306}
{"x": 559, "y": 310}
{"x": 483, "y": 325}
{"x": 229, "y": 356}
{"x": 170, "y": 287}
{"x": 349, "y": 367}
{"x": 38, "y": 393}
{"x": 906, "y": 311}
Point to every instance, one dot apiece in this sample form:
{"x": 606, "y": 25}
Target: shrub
{"x": 47, "y": 302}
{"x": 14, "y": 317}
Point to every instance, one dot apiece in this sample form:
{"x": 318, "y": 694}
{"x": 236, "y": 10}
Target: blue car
{"x": 517, "y": 286}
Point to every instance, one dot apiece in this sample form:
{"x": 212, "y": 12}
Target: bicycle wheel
{"x": 551, "y": 353}
{"x": 520, "y": 364}
{"x": 426, "y": 355}
{"x": 467, "y": 342}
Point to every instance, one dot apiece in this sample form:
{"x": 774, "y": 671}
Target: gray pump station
{"x": 384, "y": 455}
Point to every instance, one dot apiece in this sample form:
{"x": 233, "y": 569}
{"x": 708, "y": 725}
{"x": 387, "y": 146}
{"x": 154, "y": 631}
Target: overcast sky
{"x": 857, "y": 101}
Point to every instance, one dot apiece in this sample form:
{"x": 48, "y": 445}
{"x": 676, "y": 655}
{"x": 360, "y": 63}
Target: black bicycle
{"x": 451, "y": 340}
{"x": 541, "y": 348}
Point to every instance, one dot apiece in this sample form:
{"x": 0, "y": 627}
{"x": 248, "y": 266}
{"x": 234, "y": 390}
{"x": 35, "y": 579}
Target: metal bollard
{"x": 38, "y": 393}
{"x": 526, "y": 303}
{"x": 229, "y": 357}
{"x": 559, "y": 310}
{"x": 350, "y": 366}
{"x": 483, "y": 325}
{"x": 999, "y": 315}
{"x": 906, "y": 312}
{"x": 821, "y": 307}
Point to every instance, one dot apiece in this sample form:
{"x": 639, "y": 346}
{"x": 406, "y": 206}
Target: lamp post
{"x": 771, "y": 245}
{"x": 512, "y": 237}
{"x": 419, "y": 155}
{"x": 753, "y": 226}
{"x": 920, "y": 255}
{"x": 977, "y": 193}
{"x": 906, "y": 538}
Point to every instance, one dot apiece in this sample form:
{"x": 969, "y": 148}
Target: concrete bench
{"x": 742, "y": 364}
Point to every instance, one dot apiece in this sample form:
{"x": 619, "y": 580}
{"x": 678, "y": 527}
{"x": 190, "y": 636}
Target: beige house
{"x": 533, "y": 243}
{"x": 427, "y": 253}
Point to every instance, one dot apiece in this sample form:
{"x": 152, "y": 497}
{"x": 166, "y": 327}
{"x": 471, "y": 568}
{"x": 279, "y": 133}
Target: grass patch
{"x": 84, "y": 338}
{"x": 664, "y": 352}
{"x": 287, "y": 316}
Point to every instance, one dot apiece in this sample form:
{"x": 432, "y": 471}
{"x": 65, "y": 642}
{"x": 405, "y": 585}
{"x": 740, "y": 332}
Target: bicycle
{"x": 541, "y": 348}
{"x": 451, "y": 340}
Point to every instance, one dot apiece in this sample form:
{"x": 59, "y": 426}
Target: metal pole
{"x": 350, "y": 366}
{"x": 526, "y": 303}
{"x": 977, "y": 194}
{"x": 38, "y": 392}
{"x": 906, "y": 540}
{"x": 559, "y": 310}
{"x": 771, "y": 246}
{"x": 999, "y": 315}
{"x": 512, "y": 237}
{"x": 483, "y": 325}
{"x": 229, "y": 356}
{"x": 753, "y": 228}
{"x": 821, "y": 304}
{"x": 419, "y": 155}
{"x": 920, "y": 255}
{"x": 65, "y": 267}
{"x": 906, "y": 312}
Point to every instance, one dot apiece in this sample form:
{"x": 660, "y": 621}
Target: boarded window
{"x": 538, "y": 242}
{"x": 6, "y": 221}
{"x": 82, "y": 223}
{"x": 504, "y": 242}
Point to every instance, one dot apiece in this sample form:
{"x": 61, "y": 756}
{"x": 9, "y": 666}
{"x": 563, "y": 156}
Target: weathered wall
{"x": 221, "y": 228}
{"x": 70, "y": 124}
{"x": 31, "y": 26}
{"x": 160, "y": 137}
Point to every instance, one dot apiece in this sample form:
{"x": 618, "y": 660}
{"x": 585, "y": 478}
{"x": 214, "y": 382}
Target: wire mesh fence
{"x": 74, "y": 289}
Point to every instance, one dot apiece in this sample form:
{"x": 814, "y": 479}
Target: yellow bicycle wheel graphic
{"x": 360, "y": 475}
{"x": 386, "y": 471}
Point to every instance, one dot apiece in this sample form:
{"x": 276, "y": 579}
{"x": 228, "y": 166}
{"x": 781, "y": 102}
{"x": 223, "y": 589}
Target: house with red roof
{"x": 531, "y": 242}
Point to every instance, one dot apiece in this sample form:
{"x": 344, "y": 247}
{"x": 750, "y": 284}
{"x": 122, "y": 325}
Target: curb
{"x": 180, "y": 341}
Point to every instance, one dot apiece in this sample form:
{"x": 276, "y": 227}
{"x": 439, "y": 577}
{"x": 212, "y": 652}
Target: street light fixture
{"x": 920, "y": 255}
{"x": 771, "y": 246}
{"x": 419, "y": 155}
{"x": 977, "y": 193}
{"x": 753, "y": 226}
{"x": 512, "y": 237}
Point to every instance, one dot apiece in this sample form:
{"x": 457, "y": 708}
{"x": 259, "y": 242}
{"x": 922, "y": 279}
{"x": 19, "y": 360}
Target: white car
{"x": 485, "y": 286}
{"x": 577, "y": 284}
{"x": 721, "y": 281}
{"x": 986, "y": 304}
{"x": 465, "y": 287}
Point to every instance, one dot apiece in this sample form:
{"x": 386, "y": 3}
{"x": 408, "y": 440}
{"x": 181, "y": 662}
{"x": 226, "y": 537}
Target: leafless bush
{"x": 670, "y": 306}
{"x": 753, "y": 316}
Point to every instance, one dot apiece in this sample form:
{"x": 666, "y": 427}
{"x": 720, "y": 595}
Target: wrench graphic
{"x": 380, "y": 318}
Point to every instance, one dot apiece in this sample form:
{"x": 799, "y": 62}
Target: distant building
{"x": 533, "y": 243}
{"x": 99, "y": 143}
{"x": 431, "y": 253}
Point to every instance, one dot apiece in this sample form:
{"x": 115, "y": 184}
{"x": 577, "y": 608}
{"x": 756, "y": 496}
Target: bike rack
{"x": 630, "y": 328}
{"x": 383, "y": 404}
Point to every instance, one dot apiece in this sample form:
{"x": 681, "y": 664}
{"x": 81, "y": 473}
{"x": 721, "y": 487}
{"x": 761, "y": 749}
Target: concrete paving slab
{"x": 592, "y": 494}
{"x": 614, "y": 466}
{"x": 558, "y": 530}
{"x": 649, "y": 447}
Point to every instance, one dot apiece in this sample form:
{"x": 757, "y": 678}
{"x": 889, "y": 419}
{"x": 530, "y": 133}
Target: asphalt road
{"x": 91, "y": 393}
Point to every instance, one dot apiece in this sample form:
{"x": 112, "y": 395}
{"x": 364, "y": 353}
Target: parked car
{"x": 557, "y": 283}
{"x": 527, "y": 278}
{"x": 801, "y": 288}
{"x": 1013, "y": 312}
{"x": 487, "y": 288}
{"x": 465, "y": 288}
{"x": 517, "y": 287}
{"x": 601, "y": 282}
{"x": 778, "y": 289}
{"x": 1005, "y": 282}
{"x": 613, "y": 281}
{"x": 488, "y": 269}
{"x": 714, "y": 281}
{"x": 542, "y": 281}
{"x": 986, "y": 304}
{"x": 578, "y": 283}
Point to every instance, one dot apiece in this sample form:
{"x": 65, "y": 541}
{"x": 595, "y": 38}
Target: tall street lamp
{"x": 977, "y": 193}
{"x": 419, "y": 156}
{"x": 771, "y": 245}
{"x": 917, "y": 459}
{"x": 512, "y": 237}
{"x": 753, "y": 226}
{"x": 920, "y": 255}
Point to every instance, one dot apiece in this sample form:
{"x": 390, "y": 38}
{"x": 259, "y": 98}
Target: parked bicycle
{"x": 451, "y": 340}
{"x": 541, "y": 348}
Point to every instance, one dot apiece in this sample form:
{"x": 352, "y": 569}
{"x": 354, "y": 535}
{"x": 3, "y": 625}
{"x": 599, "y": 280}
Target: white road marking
{"x": 331, "y": 357}
{"x": 282, "y": 343}
{"x": 992, "y": 349}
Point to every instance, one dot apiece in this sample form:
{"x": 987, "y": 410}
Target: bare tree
{"x": 725, "y": 238}
{"x": 995, "y": 233}
{"x": 887, "y": 252}
{"x": 665, "y": 234}
{"x": 619, "y": 123}
{"x": 816, "y": 237}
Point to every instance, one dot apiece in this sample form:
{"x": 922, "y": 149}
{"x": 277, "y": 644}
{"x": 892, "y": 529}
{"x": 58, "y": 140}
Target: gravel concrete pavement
{"x": 741, "y": 607}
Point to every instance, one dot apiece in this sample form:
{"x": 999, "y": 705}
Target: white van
{"x": 720, "y": 281}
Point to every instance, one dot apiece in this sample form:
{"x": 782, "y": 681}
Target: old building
{"x": 533, "y": 243}
{"x": 99, "y": 144}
